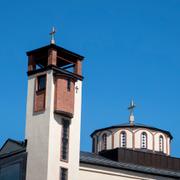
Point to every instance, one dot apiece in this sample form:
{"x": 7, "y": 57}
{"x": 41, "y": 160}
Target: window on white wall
{"x": 63, "y": 173}
{"x": 161, "y": 143}
{"x": 65, "y": 140}
{"x": 104, "y": 141}
{"x": 123, "y": 139}
{"x": 144, "y": 140}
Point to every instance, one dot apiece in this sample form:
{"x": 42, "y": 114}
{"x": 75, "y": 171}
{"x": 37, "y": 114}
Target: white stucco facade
{"x": 93, "y": 172}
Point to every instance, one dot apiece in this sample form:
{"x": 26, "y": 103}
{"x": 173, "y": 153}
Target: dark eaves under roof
{"x": 136, "y": 125}
{"x": 94, "y": 159}
{"x": 58, "y": 48}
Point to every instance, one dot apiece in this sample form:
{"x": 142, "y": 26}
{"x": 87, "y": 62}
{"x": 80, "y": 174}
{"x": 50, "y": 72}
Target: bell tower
{"x": 53, "y": 113}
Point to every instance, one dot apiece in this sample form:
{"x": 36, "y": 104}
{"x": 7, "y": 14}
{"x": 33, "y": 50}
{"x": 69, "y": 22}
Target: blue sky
{"x": 132, "y": 49}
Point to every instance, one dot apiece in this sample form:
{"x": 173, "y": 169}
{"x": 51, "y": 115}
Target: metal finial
{"x": 131, "y": 109}
{"x": 52, "y": 33}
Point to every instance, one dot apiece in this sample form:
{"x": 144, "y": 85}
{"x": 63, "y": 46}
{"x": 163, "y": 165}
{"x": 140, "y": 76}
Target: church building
{"x": 51, "y": 149}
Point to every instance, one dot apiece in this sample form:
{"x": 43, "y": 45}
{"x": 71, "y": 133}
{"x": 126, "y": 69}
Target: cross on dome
{"x": 131, "y": 110}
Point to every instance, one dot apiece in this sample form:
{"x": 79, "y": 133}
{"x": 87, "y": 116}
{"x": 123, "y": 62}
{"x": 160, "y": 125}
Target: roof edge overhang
{"x": 126, "y": 169}
{"x": 58, "y": 48}
{"x": 124, "y": 166}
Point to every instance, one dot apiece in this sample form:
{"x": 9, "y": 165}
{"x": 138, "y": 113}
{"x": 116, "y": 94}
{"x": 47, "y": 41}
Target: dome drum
{"x": 136, "y": 137}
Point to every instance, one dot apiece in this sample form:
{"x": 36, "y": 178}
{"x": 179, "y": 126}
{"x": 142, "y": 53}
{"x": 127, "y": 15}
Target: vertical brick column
{"x": 52, "y": 57}
{"x": 31, "y": 63}
{"x": 78, "y": 68}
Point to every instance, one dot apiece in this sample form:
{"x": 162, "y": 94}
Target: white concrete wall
{"x": 43, "y": 131}
{"x": 92, "y": 172}
{"x": 37, "y": 132}
{"x": 168, "y": 146}
{"x": 74, "y": 142}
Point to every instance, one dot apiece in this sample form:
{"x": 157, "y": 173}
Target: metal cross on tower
{"x": 52, "y": 34}
{"x": 131, "y": 109}
{"x": 76, "y": 89}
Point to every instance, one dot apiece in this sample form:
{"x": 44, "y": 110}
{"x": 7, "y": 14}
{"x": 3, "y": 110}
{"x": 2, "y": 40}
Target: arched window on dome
{"x": 161, "y": 143}
{"x": 104, "y": 141}
{"x": 123, "y": 139}
{"x": 93, "y": 145}
{"x": 144, "y": 140}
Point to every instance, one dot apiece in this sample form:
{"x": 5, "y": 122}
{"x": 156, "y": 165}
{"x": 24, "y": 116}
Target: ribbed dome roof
{"x": 135, "y": 125}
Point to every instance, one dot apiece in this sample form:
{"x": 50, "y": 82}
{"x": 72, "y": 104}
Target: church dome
{"x": 136, "y": 137}
{"x": 132, "y": 136}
